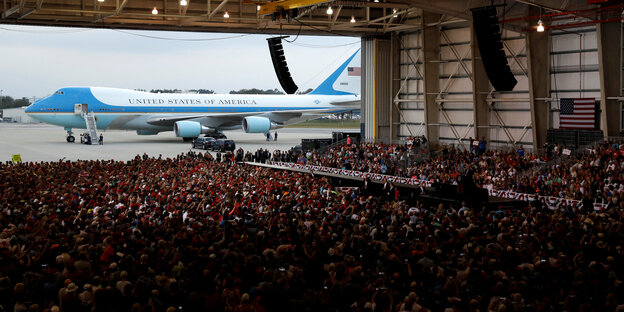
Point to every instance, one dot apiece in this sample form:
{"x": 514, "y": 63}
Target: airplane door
{"x": 80, "y": 108}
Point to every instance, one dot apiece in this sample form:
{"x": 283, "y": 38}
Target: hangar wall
{"x": 505, "y": 116}
{"x": 437, "y": 91}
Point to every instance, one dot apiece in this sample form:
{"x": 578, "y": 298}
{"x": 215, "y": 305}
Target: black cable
{"x": 179, "y": 39}
{"x": 297, "y": 37}
{"x": 320, "y": 29}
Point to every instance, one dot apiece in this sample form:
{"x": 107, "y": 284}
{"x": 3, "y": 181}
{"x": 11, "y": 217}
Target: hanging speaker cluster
{"x": 491, "y": 47}
{"x": 279, "y": 63}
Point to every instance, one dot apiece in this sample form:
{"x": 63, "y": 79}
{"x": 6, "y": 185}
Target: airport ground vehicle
{"x": 223, "y": 145}
{"x": 203, "y": 142}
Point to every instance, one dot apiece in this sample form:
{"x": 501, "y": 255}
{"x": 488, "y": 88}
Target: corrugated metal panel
{"x": 572, "y": 54}
{"x": 368, "y": 86}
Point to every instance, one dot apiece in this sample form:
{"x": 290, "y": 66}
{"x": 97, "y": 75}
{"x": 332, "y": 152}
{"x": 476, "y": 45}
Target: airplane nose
{"x": 32, "y": 107}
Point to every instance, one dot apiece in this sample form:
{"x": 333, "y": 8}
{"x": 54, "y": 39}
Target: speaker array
{"x": 491, "y": 47}
{"x": 281, "y": 68}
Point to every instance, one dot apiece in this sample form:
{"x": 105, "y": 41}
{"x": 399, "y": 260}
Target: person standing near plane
{"x": 101, "y": 139}
{"x": 275, "y": 135}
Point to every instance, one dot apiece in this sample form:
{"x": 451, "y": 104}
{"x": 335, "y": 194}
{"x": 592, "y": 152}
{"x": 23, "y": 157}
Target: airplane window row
{"x": 51, "y": 109}
{"x": 59, "y": 92}
{"x": 210, "y": 110}
{"x": 109, "y": 110}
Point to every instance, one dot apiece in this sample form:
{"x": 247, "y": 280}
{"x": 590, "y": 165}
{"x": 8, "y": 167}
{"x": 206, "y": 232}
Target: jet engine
{"x": 259, "y": 125}
{"x": 190, "y": 129}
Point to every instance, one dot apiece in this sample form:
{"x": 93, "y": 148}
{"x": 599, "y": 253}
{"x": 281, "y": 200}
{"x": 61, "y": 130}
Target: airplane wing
{"x": 222, "y": 120}
{"x": 355, "y": 103}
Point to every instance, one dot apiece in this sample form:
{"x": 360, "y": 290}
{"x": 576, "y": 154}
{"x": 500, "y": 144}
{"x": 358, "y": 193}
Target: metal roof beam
{"x": 121, "y": 6}
{"x": 218, "y": 8}
{"x": 10, "y": 11}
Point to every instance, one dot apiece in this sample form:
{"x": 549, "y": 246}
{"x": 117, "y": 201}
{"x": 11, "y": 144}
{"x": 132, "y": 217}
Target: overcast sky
{"x": 36, "y": 61}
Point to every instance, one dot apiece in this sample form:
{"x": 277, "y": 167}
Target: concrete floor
{"x": 40, "y": 142}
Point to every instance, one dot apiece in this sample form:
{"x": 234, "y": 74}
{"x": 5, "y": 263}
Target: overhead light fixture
{"x": 352, "y": 19}
{"x": 100, "y": 0}
{"x": 330, "y": 11}
{"x": 183, "y": 2}
{"x": 540, "y": 26}
{"x": 258, "y": 7}
{"x": 226, "y": 14}
{"x": 155, "y": 11}
{"x": 376, "y": 1}
{"x": 394, "y": 12}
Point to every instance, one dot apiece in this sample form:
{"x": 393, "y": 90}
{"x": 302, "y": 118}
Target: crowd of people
{"x": 595, "y": 173}
{"x": 197, "y": 233}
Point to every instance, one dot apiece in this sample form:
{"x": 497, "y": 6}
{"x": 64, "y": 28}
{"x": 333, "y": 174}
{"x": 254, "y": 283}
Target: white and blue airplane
{"x": 191, "y": 115}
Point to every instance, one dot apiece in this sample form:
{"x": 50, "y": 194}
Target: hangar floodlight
{"x": 100, "y": 0}
{"x": 540, "y": 26}
{"x": 226, "y": 14}
{"x": 352, "y": 19}
{"x": 394, "y": 12}
{"x": 155, "y": 11}
{"x": 330, "y": 11}
{"x": 183, "y": 2}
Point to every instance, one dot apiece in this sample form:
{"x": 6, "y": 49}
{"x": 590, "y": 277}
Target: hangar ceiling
{"x": 348, "y": 17}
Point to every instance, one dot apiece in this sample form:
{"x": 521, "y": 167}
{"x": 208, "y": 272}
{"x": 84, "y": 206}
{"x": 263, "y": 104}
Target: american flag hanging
{"x": 577, "y": 114}
{"x": 354, "y": 71}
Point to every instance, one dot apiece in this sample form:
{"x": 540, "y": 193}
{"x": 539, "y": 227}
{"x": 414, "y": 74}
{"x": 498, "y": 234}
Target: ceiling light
{"x": 258, "y": 8}
{"x": 394, "y": 12}
{"x": 330, "y": 11}
{"x": 540, "y": 26}
{"x": 183, "y": 2}
{"x": 155, "y": 11}
{"x": 226, "y": 14}
{"x": 352, "y": 19}
{"x": 100, "y": 0}
{"x": 377, "y": 1}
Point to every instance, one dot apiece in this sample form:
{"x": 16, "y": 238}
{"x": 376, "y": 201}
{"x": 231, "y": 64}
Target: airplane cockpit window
{"x": 59, "y": 92}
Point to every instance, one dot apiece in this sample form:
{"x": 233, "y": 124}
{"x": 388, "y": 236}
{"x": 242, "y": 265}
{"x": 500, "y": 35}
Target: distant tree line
{"x": 257, "y": 91}
{"x": 198, "y": 91}
{"x": 206, "y": 91}
{"x": 9, "y": 102}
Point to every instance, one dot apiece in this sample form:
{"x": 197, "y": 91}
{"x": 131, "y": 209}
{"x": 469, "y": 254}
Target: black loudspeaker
{"x": 492, "y": 54}
{"x": 279, "y": 63}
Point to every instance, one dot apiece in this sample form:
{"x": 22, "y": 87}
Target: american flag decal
{"x": 577, "y": 114}
{"x": 354, "y": 71}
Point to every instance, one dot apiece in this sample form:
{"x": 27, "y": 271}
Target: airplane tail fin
{"x": 344, "y": 80}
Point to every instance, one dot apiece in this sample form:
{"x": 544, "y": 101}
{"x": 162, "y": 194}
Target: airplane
{"x": 191, "y": 115}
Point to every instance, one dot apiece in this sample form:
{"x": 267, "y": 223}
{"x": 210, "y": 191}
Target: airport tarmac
{"x": 40, "y": 142}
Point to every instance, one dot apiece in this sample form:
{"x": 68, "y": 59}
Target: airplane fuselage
{"x": 144, "y": 111}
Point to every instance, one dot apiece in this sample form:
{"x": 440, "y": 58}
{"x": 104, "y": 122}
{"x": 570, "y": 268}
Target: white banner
{"x": 550, "y": 201}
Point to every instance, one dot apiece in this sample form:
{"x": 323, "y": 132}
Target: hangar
{"x": 446, "y": 69}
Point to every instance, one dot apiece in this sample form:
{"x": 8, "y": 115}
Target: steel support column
{"x": 368, "y": 124}
{"x": 538, "y": 59}
{"x": 383, "y": 88}
{"x": 431, "y": 71}
{"x": 480, "y": 90}
{"x": 609, "y": 55}
{"x": 395, "y": 73}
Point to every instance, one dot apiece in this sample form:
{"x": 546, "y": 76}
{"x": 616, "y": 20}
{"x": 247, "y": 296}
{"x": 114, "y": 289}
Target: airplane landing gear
{"x": 188, "y": 139}
{"x": 70, "y": 137}
{"x": 217, "y": 135}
